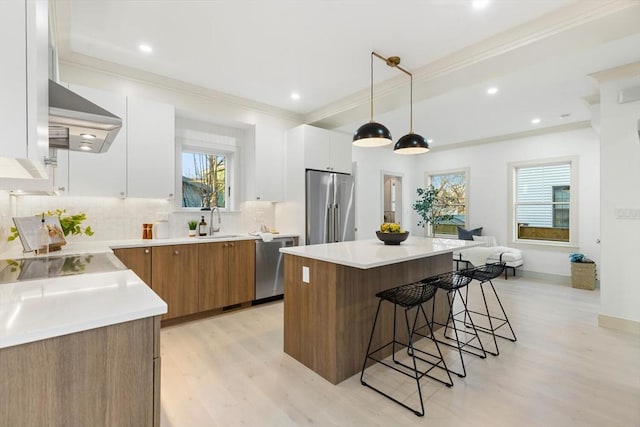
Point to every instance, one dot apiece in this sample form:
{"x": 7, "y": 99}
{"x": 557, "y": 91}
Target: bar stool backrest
{"x": 409, "y": 295}
{"x": 452, "y": 280}
{"x": 487, "y": 272}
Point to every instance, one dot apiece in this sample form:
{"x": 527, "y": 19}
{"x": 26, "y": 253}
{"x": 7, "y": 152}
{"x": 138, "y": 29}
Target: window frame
{"x": 467, "y": 182}
{"x": 211, "y": 148}
{"x": 573, "y": 201}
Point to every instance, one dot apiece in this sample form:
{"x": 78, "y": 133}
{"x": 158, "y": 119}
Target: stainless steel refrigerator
{"x": 330, "y": 213}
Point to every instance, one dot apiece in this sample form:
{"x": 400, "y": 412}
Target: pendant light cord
{"x": 371, "y": 98}
{"x": 411, "y": 105}
{"x": 394, "y": 62}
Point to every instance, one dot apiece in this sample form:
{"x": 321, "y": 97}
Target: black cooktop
{"x": 42, "y": 267}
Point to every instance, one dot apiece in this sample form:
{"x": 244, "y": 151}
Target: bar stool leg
{"x": 475, "y": 332}
{"x": 451, "y": 319}
{"x": 435, "y": 341}
{"x": 493, "y": 332}
{"x": 373, "y": 330}
{"x": 412, "y": 331}
{"x": 506, "y": 319}
{"x": 416, "y": 374}
{"x": 490, "y": 317}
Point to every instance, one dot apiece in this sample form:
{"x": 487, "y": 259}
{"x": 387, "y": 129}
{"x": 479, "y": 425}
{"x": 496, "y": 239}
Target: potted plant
{"x": 193, "y": 225}
{"x": 432, "y": 207}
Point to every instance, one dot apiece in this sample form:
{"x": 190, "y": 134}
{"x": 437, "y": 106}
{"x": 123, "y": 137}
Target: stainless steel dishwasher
{"x": 270, "y": 267}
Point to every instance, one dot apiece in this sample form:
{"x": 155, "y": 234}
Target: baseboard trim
{"x": 619, "y": 324}
{"x": 556, "y": 279}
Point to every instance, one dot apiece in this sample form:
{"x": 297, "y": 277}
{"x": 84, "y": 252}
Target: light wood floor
{"x": 564, "y": 370}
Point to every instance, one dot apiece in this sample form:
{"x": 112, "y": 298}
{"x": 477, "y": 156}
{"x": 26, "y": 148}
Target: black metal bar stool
{"x": 452, "y": 283}
{"x": 409, "y": 296}
{"x": 485, "y": 274}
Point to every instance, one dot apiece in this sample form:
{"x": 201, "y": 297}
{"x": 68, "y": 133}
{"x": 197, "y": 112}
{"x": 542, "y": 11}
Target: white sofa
{"x": 490, "y": 252}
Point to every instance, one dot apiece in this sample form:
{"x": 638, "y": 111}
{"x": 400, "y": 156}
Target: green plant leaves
{"x": 432, "y": 206}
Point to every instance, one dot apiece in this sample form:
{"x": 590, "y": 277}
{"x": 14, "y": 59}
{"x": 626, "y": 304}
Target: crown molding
{"x": 435, "y": 78}
{"x": 517, "y": 135}
{"x": 617, "y": 73}
{"x": 147, "y": 78}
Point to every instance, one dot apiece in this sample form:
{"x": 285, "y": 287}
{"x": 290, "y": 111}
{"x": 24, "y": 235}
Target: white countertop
{"x": 374, "y": 253}
{"x": 95, "y": 246}
{"x": 39, "y": 309}
{"x": 222, "y": 237}
{"x": 45, "y": 308}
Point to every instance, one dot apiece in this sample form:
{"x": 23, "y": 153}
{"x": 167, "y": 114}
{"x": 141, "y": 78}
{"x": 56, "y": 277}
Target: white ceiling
{"x": 537, "y": 52}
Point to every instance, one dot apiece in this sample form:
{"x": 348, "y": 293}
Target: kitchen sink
{"x": 219, "y": 236}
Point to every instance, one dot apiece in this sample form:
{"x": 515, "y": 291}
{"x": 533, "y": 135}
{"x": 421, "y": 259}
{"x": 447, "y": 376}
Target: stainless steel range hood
{"x": 78, "y": 124}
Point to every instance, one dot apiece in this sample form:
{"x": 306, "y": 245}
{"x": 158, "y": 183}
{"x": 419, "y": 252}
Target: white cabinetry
{"x": 101, "y": 174}
{"x": 308, "y": 147}
{"x": 326, "y": 150}
{"x": 264, "y": 164}
{"x": 24, "y": 84}
{"x": 150, "y": 149}
{"x": 140, "y": 161}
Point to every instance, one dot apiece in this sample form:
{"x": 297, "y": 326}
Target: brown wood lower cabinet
{"x": 138, "y": 260}
{"x": 226, "y": 273}
{"x": 196, "y": 277}
{"x": 100, "y": 377}
{"x": 174, "y": 271}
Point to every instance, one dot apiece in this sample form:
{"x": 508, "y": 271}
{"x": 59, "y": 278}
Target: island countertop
{"x": 372, "y": 253}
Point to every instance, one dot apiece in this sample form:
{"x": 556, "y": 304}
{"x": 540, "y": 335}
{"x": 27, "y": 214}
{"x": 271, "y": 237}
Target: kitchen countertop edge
{"x": 71, "y": 306}
{"x": 371, "y": 253}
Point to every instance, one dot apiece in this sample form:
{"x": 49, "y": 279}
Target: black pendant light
{"x": 411, "y": 143}
{"x": 372, "y": 134}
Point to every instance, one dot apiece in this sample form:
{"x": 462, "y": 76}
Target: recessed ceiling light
{"x": 535, "y": 121}
{"x": 492, "y": 90}
{"x": 295, "y": 96}
{"x": 145, "y": 48}
{"x": 85, "y": 147}
{"x": 479, "y": 4}
{"x": 87, "y": 135}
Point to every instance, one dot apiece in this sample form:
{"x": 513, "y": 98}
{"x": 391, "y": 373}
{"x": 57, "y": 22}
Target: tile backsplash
{"x": 121, "y": 219}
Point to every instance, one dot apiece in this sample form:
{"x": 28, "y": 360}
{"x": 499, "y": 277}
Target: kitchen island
{"x": 330, "y": 302}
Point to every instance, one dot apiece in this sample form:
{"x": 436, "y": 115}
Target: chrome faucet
{"x": 213, "y": 229}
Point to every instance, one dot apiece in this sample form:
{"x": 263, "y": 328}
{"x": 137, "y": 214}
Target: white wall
{"x": 369, "y": 164}
{"x": 620, "y": 208}
{"x": 121, "y": 219}
{"x": 488, "y": 189}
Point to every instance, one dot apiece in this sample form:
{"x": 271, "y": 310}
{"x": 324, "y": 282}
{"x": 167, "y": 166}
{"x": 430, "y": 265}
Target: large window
{"x": 204, "y": 180}
{"x": 453, "y": 187}
{"x": 544, "y": 202}
{"x": 208, "y": 161}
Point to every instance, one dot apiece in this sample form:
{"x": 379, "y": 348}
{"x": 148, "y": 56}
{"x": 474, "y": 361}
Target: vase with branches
{"x": 433, "y": 207}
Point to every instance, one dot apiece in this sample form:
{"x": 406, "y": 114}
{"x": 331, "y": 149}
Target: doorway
{"x": 391, "y": 197}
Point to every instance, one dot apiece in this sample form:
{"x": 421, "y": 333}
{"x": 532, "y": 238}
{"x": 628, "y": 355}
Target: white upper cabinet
{"x": 24, "y": 84}
{"x": 101, "y": 174}
{"x": 326, "y": 150}
{"x": 263, "y": 169}
{"x": 150, "y": 149}
{"x": 341, "y": 160}
{"x": 140, "y": 161}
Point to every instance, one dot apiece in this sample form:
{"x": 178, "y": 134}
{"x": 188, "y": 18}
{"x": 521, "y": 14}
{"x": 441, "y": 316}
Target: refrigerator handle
{"x": 330, "y": 223}
{"x": 336, "y": 224}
